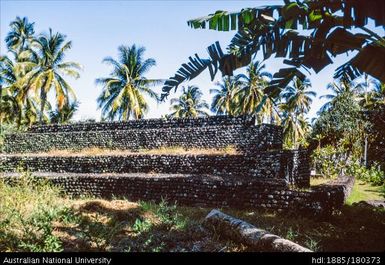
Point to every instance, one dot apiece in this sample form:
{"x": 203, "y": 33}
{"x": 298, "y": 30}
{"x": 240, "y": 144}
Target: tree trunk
{"x": 366, "y": 152}
{"x": 248, "y": 234}
{"x": 43, "y": 97}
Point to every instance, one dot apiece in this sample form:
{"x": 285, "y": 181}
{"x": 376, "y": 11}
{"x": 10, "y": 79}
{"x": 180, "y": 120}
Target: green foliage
{"x": 21, "y": 35}
{"x": 340, "y": 121}
{"x": 167, "y": 213}
{"x": 28, "y": 209}
{"x": 226, "y": 98}
{"x": 376, "y": 151}
{"x": 329, "y": 161}
{"x": 312, "y": 244}
{"x": 332, "y": 162}
{"x": 51, "y": 69}
{"x": 291, "y": 234}
{"x": 37, "y": 230}
{"x": 141, "y": 226}
{"x": 371, "y": 175}
{"x": 383, "y": 190}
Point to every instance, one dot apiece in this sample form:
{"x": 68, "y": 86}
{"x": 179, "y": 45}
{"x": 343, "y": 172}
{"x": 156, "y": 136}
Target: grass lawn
{"x": 364, "y": 191}
{"x": 361, "y": 191}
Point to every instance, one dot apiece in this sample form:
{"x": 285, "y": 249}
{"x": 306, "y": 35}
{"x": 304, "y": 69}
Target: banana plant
{"x": 278, "y": 30}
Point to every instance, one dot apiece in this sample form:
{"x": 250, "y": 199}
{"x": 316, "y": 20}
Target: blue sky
{"x": 97, "y": 28}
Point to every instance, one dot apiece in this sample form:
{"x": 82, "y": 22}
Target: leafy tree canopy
{"x": 342, "y": 123}
{"x": 306, "y": 34}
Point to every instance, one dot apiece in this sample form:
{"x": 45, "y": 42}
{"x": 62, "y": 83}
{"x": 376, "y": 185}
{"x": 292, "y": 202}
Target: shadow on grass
{"x": 358, "y": 228}
{"x": 354, "y": 228}
{"x": 119, "y": 225}
{"x": 100, "y": 225}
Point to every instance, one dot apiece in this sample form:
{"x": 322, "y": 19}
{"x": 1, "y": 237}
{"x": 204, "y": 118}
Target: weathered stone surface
{"x": 145, "y": 124}
{"x": 271, "y": 165}
{"x": 212, "y": 132}
{"x": 371, "y": 204}
{"x": 199, "y": 189}
{"x": 248, "y": 234}
{"x": 259, "y": 177}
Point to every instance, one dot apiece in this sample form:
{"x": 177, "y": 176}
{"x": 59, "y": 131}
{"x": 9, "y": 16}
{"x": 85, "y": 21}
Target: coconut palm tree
{"x": 18, "y": 42}
{"x": 297, "y": 96}
{"x": 295, "y": 126}
{"x": 123, "y": 92}
{"x": 50, "y": 69}
{"x": 252, "y": 92}
{"x": 226, "y": 100}
{"x": 31, "y": 112}
{"x": 371, "y": 93}
{"x": 21, "y": 35}
{"x": 10, "y": 108}
{"x": 270, "y": 110}
{"x": 297, "y": 100}
{"x": 189, "y": 104}
{"x": 17, "y": 100}
{"x": 13, "y": 73}
{"x": 378, "y": 94}
{"x": 341, "y": 88}
{"x": 65, "y": 114}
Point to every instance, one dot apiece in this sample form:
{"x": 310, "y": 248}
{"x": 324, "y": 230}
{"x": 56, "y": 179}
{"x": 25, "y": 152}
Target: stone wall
{"x": 261, "y": 176}
{"x": 145, "y": 124}
{"x": 208, "y": 191}
{"x": 291, "y": 166}
{"x": 246, "y": 138}
{"x": 296, "y": 167}
{"x": 333, "y": 194}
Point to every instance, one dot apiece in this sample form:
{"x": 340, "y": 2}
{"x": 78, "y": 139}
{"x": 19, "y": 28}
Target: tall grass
{"x": 28, "y": 208}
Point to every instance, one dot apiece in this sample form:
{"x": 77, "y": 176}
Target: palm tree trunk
{"x": 43, "y": 97}
{"x": 366, "y": 152}
{"x": 127, "y": 114}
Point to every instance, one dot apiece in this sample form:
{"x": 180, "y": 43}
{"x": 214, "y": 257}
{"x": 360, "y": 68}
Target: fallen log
{"x": 248, "y": 234}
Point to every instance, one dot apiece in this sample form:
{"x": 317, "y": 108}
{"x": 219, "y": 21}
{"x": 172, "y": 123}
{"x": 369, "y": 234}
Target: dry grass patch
{"x": 230, "y": 150}
{"x": 318, "y": 181}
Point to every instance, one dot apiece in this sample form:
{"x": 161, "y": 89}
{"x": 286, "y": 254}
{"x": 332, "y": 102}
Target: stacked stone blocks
{"x": 261, "y": 175}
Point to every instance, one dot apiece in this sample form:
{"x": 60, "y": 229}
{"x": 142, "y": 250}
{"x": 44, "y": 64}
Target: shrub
{"x": 329, "y": 161}
{"x": 371, "y": 175}
{"x": 141, "y": 226}
{"x": 167, "y": 213}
